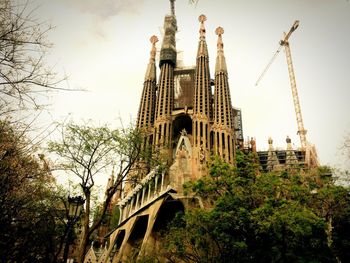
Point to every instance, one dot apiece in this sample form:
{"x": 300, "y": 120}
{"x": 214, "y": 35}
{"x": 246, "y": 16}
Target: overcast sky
{"x": 103, "y": 46}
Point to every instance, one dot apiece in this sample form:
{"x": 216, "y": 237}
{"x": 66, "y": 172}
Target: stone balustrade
{"x": 150, "y": 187}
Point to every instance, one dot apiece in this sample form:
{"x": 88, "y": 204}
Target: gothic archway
{"x": 180, "y": 123}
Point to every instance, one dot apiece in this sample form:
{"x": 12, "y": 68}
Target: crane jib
{"x": 284, "y": 42}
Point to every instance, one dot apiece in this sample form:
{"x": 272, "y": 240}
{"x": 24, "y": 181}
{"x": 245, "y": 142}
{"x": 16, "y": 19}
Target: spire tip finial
{"x": 219, "y": 31}
{"x": 153, "y": 40}
{"x": 201, "y": 19}
{"x": 270, "y": 141}
{"x": 288, "y": 140}
{"x": 172, "y": 7}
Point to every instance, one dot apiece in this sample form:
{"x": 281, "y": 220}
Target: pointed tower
{"x": 272, "y": 160}
{"x": 223, "y": 127}
{"x": 165, "y": 94}
{"x": 145, "y": 119}
{"x": 291, "y": 159}
{"x": 202, "y": 107}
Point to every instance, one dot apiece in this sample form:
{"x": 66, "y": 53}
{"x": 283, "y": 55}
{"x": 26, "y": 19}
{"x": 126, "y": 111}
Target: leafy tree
{"x": 262, "y": 217}
{"x": 86, "y": 152}
{"x": 341, "y": 230}
{"x": 30, "y": 207}
{"x": 332, "y": 203}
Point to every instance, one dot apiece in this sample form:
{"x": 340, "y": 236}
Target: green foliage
{"x": 86, "y": 152}
{"x": 115, "y": 217}
{"x": 270, "y": 217}
{"x": 31, "y": 210}
{"x": 341, "y": 231}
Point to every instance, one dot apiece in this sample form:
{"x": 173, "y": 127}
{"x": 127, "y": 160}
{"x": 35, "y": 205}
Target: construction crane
{"x": 311, "y": 156}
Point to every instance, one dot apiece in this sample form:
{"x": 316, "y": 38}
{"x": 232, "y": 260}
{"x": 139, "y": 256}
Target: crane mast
{"x": 284, "y": 43}
{"x": 310, "y": 151}
{"x": 301, "y": 130}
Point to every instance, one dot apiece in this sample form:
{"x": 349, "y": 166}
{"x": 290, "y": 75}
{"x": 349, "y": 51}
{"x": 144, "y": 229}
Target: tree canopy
{"x": 87, "y": 152}
{"x": 31, "y": 208}
{"x": 285, "y": 216}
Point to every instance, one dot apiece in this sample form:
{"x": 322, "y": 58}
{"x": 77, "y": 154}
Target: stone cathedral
{"x": 179, "y": 114}
{"x": 187, "y": 115}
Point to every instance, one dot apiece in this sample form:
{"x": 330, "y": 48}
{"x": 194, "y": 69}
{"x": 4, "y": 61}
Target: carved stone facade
{"x": 183, "y": 100}
{"x": 186, "y": 116}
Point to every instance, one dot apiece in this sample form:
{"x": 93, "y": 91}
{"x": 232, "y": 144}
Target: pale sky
{"x": 103, "y": 46}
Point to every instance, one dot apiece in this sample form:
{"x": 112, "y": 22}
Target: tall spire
{"x": 145, "y": 118}
{"x": 165, "y": 94}
{"x": 223, "y": 129}
{"x": 168, "y": 50}
{"x": 202, "y": 93}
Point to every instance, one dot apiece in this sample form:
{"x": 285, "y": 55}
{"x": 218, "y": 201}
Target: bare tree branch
{"x": 23, "y": 48}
